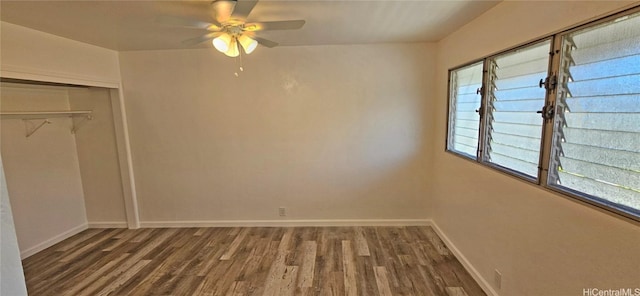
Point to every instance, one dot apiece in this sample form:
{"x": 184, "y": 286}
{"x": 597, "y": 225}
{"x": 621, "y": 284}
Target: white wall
{"x": 329, "y": 132}
{"x": 34, "y": 55}
{"x": 11, "y": 274}
{"x": 98, "y": 158}
{"x": 42, "y": 171}
{"x": 543, "y": 243}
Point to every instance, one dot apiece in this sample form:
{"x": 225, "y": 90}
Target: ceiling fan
{"x": 230, "y": 27}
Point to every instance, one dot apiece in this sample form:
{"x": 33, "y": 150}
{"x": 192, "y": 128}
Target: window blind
{"x": 596, "y": 146}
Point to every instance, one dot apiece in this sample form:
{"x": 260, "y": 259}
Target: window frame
{"x": 447, "y": 142}
{"x": 485, "y": 116}
{"x": 541, "y": 181}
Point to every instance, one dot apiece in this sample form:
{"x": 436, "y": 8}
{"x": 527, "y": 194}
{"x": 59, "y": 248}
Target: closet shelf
{"x": 44, "y": 114}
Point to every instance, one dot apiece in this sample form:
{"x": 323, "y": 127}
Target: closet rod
{"x": 29, "y": 116}
{"x": 45, "y": 113}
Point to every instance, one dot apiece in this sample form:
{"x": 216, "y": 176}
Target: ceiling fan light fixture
{"x": 222, "y": 43}
{"x": 233, "y": 49}
{"x": 229, "y": 27}
{"x": 248, "y": 44}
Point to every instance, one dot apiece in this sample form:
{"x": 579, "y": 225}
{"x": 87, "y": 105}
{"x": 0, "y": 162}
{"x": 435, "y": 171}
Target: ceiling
{"x": 131, "y": 25}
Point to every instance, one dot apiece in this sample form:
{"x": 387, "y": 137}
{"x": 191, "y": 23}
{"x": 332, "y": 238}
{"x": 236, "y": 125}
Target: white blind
{"x": 596, "y": 148}
{"x": 464, "y": 101}
{"x": 514, "y": 128}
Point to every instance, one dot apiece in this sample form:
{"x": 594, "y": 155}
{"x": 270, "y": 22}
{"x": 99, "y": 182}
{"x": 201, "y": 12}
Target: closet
{"x": 60, "y": 155}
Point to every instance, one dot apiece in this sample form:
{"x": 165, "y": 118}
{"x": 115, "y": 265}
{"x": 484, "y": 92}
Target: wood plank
{"x": 288, "y": 281}
{"x": 89, "y": 246}
{"x": 308, "y": 264}
{"x": 428, "y": 281}
{"x": 123, "y": 278}
{"x": 381, "y": 281}
{"x": 129, "y": 262}
{"x": 456, "y": 291}
{"x": 365, "y": 276}
{"x": 255, "y": 259}
{"x": 170, "y": 264}
{"x": 95, "y": 275}
{"x": 272, "y": 285}
{"x": 235, "y": 244}
{"x": 120, "y": 239}
{"x": 200, "y": 232}
{"x": 336, "y": 285}
{"x": 142, "y": 235}
{"x": 349, "y": 269}
{"x": 285, "y": 242}
{"x": 63, "y": 272}
{"x": 436, "y": 241}
{"x": 362, "y": 248}
{"x": 239, "y": 288}
{"x": 73, "y": 241}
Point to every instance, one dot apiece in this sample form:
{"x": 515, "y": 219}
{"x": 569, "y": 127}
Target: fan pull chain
{"x": 241, "y": 68}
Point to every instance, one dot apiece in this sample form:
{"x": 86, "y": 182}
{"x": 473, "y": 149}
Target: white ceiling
{"x": 131, "y": 25}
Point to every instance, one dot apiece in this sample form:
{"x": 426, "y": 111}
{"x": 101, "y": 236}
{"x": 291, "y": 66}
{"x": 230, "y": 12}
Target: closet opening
{"x": 64, "y": 154}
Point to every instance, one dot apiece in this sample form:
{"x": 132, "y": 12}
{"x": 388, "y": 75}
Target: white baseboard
{"x": 52, "y": 241}
{"x": 285, "y": 223}
{"x": 484, "y": 284}
{"x": 108, "y": 224}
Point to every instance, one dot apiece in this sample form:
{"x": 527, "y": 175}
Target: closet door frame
{"x": 121, "y": 130}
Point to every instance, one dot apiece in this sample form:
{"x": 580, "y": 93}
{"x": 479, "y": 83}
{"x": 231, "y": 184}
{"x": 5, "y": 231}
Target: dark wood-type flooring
{"x": 250, "y": 261}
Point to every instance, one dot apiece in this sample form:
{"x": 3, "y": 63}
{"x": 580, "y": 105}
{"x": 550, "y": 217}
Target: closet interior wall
{"x": 98, "y": 158}
{"x": 59, "y": 182}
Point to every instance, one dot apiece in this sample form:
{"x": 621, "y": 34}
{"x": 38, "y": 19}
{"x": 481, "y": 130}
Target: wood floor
{"x": 250, "y": 261}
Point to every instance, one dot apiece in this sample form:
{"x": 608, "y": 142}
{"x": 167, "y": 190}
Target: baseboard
{"x": 484, "y": 284}
{"x": 108, "y": 224}
{"x": 285, "y": 223}
{"x": 52, "y": 241}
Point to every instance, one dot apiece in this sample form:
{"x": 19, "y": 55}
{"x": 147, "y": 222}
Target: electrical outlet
{"x": 282, "y": 211}
{"x": 497, "y": 278}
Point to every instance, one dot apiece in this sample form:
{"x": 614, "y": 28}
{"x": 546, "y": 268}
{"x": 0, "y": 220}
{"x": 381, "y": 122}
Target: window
{"x": 514, "y": 130}
{"x": 562, "y": 112}
{"x": 464, "y": 120}
{"x": 596, "y": 142}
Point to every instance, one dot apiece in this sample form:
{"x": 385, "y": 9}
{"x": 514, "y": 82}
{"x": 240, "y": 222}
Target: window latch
{"x": 547, "y": 112}
{"x": 549, "y": 83}
{"x": 479, "y": 90}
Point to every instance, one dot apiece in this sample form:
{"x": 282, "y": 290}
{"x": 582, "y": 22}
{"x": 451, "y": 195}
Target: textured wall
{"x": 329, "y": 132}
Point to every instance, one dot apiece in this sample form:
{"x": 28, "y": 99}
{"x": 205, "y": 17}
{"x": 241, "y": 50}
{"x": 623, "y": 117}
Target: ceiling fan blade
{"x": 175, "y": 21}
{"x": 265, "y": 42}
{"x": 222, "y": 10}
{"x": 243, "y": 9}
{"x": 200, "y": 39}
{"x": 276, "y": 25}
